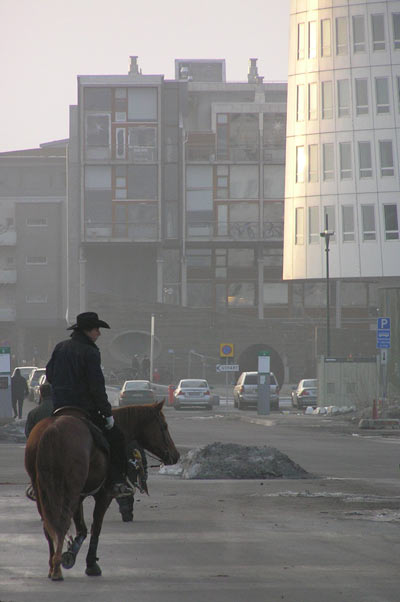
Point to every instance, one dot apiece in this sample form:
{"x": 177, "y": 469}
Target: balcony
{"x": 8, "y": 276}
{"x": 121, "y": 232}
{"x": 240, "y": 153}
{"x": 237, "y": 231}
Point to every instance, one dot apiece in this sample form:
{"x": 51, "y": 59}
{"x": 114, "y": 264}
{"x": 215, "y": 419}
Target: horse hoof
{"x": 57, "y": 577}
{"x": 93, "y": 571}
{"x": 68, "y": 560}
{"x": 127, "y": 518}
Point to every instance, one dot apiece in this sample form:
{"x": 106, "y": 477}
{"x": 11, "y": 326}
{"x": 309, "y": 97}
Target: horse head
{"x": 149, "y": 427}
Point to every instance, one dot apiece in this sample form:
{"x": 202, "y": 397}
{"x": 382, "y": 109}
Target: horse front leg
{"x": 103, "y": 500}
{"x": 75, "y": 544}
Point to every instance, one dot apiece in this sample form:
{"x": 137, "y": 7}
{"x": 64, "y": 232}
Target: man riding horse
{"x": 77, "y": 380}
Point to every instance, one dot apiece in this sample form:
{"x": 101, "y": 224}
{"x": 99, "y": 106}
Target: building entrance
{"x": 248, "y": 361}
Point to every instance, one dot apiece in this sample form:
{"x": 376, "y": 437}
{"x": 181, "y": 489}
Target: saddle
{"x": 98, "y": 437}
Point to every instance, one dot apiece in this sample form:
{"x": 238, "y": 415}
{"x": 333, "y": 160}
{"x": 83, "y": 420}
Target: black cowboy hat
{"x": 87, "y": 321}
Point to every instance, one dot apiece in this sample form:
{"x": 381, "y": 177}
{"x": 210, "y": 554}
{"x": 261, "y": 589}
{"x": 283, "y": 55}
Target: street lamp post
{"x": 326, "y": 234}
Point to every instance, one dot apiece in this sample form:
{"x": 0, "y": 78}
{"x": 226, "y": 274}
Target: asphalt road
{"x": 331, "y": 538}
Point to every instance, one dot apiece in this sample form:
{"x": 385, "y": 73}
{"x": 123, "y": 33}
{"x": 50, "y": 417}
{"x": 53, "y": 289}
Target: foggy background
{"x": 45, "y": 44}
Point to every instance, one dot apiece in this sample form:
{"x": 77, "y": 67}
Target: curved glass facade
{"x": 343, "y": 139}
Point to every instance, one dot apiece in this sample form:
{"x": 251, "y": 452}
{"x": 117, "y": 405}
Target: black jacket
{"x": 19, "y": 388}
{"x": 75, "y": 374}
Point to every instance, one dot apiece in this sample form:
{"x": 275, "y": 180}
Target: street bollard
{"x": 171, "y": 389}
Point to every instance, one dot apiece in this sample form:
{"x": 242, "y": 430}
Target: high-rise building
{"x": 342, "y": 152}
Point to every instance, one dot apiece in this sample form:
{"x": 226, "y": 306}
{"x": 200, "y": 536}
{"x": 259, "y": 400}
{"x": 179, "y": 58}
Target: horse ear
{"x": 159, "y": 405}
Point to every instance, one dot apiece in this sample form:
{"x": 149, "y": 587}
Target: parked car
{"x": 192, "y": 393}
{"x": 136, "y": 392}
{"x": 305, "y": 394}
{"x": 33, "y": 381}
{"x": 36, "y": 388}
{"x": 245, "y": 392}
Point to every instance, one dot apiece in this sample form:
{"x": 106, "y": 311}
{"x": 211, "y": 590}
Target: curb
{"x": 379, "y": 423}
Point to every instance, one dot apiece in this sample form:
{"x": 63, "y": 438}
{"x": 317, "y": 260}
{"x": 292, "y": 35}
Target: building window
{"x": 328, "y": 161}
{"x": 36, "y": 221}
{"x": 300, "y": 41}
{"x": 312, "y": 39}
{"x": 348, "y": 223}
{"x": 325, "y": 37}
{"x": 364, "y": 159}
{"x": 368, "y": 222}
{"x": 300, "y": 164}
{"x": 312, "y": 100}
{"x": 313, "y": 163}
{"x": 391, "y": 222}
{"x": 313, "y": 225}
{"x": 327, "y": 100}
{"x": 299, "y": 226}
{"x": 398, "y": 93}
{"x": 396, "y": 30}
{"x": 382, "y": 95}
{"x": 361, "y": 86}
{"x": 300, "y": 103}
{"x": 345, "y": 161}
{"x": 142, "y": 104}
{"x": 98, "y": 130}
{"x": 343, "y": 98}
{"x": 330, "y": 221}
{"x": 341, "y": 36}
{"x": 378, "y": 32}
{"x": 386, "y": 158}
{"x": 358, "y": 34}
{"x": 241, "y": 294}
{"x": 33, "y": 260}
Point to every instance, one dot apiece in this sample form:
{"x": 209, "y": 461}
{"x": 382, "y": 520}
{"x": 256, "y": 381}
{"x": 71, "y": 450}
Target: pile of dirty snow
{"x": 233, "y": 461}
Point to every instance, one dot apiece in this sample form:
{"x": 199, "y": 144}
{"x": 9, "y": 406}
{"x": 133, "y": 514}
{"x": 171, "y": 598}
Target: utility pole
{"x": 326, "y": 234}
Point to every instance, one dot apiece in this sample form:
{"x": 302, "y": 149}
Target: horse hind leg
{"x": 75, "y": 544}
{"x": 51, "y": 552}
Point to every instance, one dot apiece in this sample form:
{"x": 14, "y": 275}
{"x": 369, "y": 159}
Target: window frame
{"x": 364, "y": 171}
{"x": 345, "y": 170}
{"x": 368, "y": 235}
{"x": 382, "y": 108}
{"x": 313, "y": 236}
{"x": 327, "y": 94}
{"x": 326, "y": 172}
{"x": 343, "y": 94}
{"x": 378, "y": 45}
{"x": 361, "y": 109}
{"x": 348, "y": 234}
{"x": 390, "y": 234}
{"x": 358, "y": 46}
{"x": 326, "y": 38}
{"x": 341, "y": 44}
{"x": 386, "y": 170}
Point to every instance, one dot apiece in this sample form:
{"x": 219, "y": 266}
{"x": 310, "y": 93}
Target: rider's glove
{"x": 109, "y": 422}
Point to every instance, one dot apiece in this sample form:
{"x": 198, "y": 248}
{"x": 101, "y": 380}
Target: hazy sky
{"x": 45, "y": 44}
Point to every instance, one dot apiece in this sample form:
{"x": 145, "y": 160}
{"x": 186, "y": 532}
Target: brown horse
{"x": 65, "y": 466}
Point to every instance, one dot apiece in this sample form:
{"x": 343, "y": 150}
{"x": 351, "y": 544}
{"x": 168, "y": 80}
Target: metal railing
{"x": 206, "y": 230}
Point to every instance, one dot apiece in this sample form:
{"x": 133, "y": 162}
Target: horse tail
{"x": 56, "y": 501}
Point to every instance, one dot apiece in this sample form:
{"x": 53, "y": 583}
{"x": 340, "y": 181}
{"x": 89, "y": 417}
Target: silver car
{"x": 192, "y": 393}
{"x": 245, "y": 393}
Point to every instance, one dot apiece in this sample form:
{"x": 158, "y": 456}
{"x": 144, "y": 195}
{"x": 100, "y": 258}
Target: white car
{"x": 192, "y": 393}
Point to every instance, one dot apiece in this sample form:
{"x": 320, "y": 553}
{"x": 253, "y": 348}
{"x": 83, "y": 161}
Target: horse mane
{"x": 131, "y": 418}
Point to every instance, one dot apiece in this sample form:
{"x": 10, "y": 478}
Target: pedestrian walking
{"x": 19, "y": 390}
{"x": 146, "y": 368}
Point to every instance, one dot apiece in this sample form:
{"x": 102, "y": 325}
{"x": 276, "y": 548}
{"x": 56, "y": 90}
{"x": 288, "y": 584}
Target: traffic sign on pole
{"x": 383, "y": 333}
{"x": 226, "y": 350}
